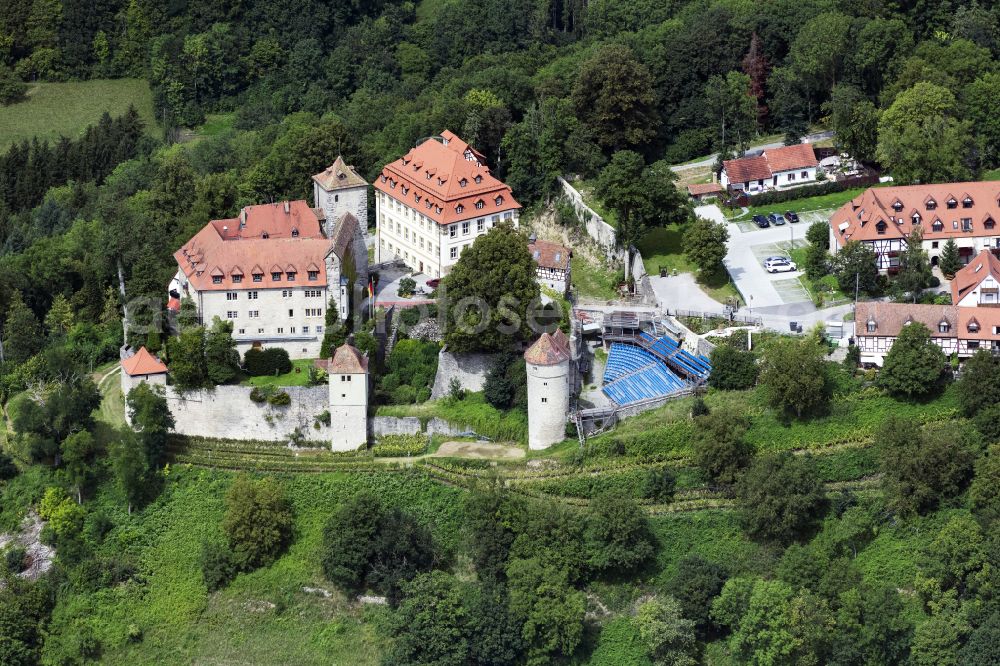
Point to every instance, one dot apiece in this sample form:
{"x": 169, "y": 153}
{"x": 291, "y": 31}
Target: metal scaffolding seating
{"x": 625, "y": 359}
{"x": 652, "y": 381}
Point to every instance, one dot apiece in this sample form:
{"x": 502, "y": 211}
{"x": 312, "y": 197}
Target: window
{"x": 967, "y": 202}
{"x": 916, "y": 218}
{"x": 973, "y": 344}
{"x": 934, "y": 245}
{"x": 231, "y": 314}
{"x": 479, "y": 205}
{"x": 973, "y": 326}
{"x": 880, "y": 227}
{"x": 216, "y": 279}
{"x": 280, "y": 330}
{"x": 258, "y": 277}
{"x": 336, "y": 198}
{"x": 495, "y": 219}
{"x": 232, "y": 295}
{"x": 345, "y": 378}
{"x": 943, "y": 326}
{"x": 276, "y": 277}
{"x": 966, "y": 224}
{"x": 897, "y": 205}
{"x": 305, "y": 329}
{"x": 291, "y": 312}
{"x": 313, "y": 293}
{"x": 241, "y": 331}
{"x": 313, "y": 276}
{"x": 930, "y": 204}
{"x": 805, "y": 174}
{"x": 252, "y": 295}
{"x": 791, "y": 177}
{"x": 938, "y": 225}
{"x": 292, "y": 330}
{"x": 237, "y": 279}
{"x": 465, "y": 228}
{"x": 286, "y": 293}
{"x": 260, "y": 330}
{"x": 507, "y": 216}
{"x": 453, "y": 252}
{"x": 319, "y": 329}
{"x": 459, "y": 208}
{"x": 291, "y": 277}
{"x": 989, "y": 223}
{"x": 295, "y": 233}
{"x": 871, "y": 326}
{"x": 265, "y": 235}
{"x": 951, "y": 203}
{"x": 479, "y": 179}
{"x": 545, "y": 399}
{"x": 480, "y": 225}
{"x": 254, "y": 314}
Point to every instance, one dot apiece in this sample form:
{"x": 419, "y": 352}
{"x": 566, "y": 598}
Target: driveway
{"x": 744, "y": 261}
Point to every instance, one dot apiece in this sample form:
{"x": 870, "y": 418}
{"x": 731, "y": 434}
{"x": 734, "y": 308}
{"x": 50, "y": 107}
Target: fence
{"x": 749, "y": 320}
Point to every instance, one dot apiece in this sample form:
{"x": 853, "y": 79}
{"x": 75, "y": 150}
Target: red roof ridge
{"x": 143, "y": 363}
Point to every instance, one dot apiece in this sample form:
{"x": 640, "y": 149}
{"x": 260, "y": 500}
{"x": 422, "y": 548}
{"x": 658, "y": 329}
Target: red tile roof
{"x": 261, "y": 236}
{"x": 890, "y": 318}
{"x": 550, "y": 255}
{"x": 547, "y": 350}
{"x": 445, "y": 180}
{"x": 143, "y": 363}
{"x": 770, "y": 162}
{"x": 859, "y": 218}
{"x": 699, "y": 189}
{"x": 969, "y": 277}
{"x": 347, "y": 360}
{"x": 790, "y": 158}
{"x": 747, "y": 169}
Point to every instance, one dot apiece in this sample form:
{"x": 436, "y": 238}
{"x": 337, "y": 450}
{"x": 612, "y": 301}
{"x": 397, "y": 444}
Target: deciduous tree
{"x": 780, "y": 497}
{"x": 258, "y": 521}
{"x": 720, "y": 450}
{"x": 915, "y": 364}
{"x": 668, "y": 635}
{"x": 794, "y": 376}
{"x": 705, "y": 244}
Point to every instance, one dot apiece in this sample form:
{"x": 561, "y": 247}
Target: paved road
{"x": 710, "y": 160}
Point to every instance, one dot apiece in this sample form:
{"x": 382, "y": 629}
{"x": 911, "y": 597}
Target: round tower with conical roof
{"x": 547, "y": 365}
{"x": 348, "y": 399}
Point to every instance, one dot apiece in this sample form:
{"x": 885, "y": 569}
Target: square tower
{"x": 348, "y": 399}
{"x": 339, "y": 189}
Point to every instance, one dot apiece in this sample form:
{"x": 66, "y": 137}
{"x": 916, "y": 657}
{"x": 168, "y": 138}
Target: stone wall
{"x": 469, "y": 369}
{"x": 227, "y": 412}
{"x": 394, "y": 425}
{"x": 600, "y": 231}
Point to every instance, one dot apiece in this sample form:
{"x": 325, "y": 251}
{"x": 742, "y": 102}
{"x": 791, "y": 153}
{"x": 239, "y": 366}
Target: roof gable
{"x": 143, "y": 363}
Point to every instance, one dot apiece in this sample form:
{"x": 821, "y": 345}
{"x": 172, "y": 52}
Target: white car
{"x": 779, "y": 265}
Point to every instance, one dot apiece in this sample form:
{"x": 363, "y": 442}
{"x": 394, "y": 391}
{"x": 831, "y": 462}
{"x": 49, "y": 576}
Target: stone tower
{"x": 348, "y": 399}
{"x": 547, "y": 365}
{"x": 339, "y": 189}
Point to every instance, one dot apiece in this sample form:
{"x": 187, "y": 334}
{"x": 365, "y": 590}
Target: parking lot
{"x": 749, "y": 246}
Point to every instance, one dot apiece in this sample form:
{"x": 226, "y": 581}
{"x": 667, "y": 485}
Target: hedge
{"x": 804, "y": 192}
{"x": 267, "y": 362}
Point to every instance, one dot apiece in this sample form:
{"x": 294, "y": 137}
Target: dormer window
{"x": 951, "y": 203}
{"x": 480, "y": 204}
{"x": 498, "y": 200}
{"x": 989, "y": 223}
{"x": 930, "y": 204}
{"x": 459, "y": 208}
{"x": 944, "y": 326}
{"x": 275, "y": 277}
{"x": 916, "y": 218}
{"x": 463, "y": 182}
{"x": 897, "y": 205}
{"x": 416, "y": 197}
{"x": 313, "y": 276}
{"x": 295, "y": 232}
{"x": 216, "y": 279}
{"x": 385, "y": 179}
{"x": 938, "y": 225}
{"x": 966, "y": 224}
{"x": 392, "y": 184}
{"x": 428, "y": 175}
{"x": 405, "y": 189}
{"x": 973, "y": 326}
{"x": 881, "y": 227}
{"x": 871, "y": 326}
{"x": 291, "y": 277}
{"x": 258, "y": 277}
{"x": 237, "y": 279}
{"x": 967, "y": 202}
{"x": 479, "y": 179}
{"x": 265, "y": 235}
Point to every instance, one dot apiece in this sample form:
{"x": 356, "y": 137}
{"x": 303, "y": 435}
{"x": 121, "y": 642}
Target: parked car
{"x": 791, "y": 216}
{"x": 761, "y": 221}
{"x": 776, "y": 219}
{"x": 779, "y": 265}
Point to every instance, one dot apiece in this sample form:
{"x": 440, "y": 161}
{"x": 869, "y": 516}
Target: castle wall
{"x": 227, "y": 412}
{"x": 469, "y": 369}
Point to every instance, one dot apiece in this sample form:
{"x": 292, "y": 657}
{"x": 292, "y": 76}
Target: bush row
{"x": 266, "y": 362}
{"x": 397, "y": 446}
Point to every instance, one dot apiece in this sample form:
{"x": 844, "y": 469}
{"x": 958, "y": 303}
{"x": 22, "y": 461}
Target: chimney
{"x": 287, "y": 207}
{"x": 532, "y": 238}
{"x": 225, "y": 231}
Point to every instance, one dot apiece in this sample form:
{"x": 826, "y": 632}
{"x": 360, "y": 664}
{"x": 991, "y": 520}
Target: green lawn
{"x": 112, "y": 409}
{"x": 827, "y": 285}
{"x": 473, "y": 411}
{"x": 661, "y": 248}
{"x": 821, "y": 202}
{"x": 592, "y": 281}
{"x": 66, "y": 109}
{"x": 299, "y": 376}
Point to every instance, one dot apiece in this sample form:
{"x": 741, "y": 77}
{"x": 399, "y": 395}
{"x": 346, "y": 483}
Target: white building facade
{"x": 547, "y": 365}
{"x": 434, "y": 202}
{"x": 348, "y": 376}
{"x": 339, "y": 189}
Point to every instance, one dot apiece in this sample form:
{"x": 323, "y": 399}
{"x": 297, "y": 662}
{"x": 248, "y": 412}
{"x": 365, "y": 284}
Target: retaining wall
{"x": 469, "y": 369}
{"x": 227, "y": 412}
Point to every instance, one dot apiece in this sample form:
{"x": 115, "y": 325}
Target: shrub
{"x": 779, "y": 497}
{"x": 217, "y": 565}
{"x": 258, "y": 394}
{"x": 8, "y": 470}
{"x": 732, "y": 369}
{"x": 406, "y": 287}
{"x": 659, "y": 484}
{"x": 13, "y": 559}
{"x": 267, "y": 362}
{"x": 258, "y": 522}
{"x": 280, "y": 398}
{"x": 397, "y": 446}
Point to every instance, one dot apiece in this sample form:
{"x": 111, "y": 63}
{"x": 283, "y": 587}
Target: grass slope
{"x": 66, "y": 109}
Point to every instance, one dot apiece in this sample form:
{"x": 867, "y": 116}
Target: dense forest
{"x": 783, "y": 561}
